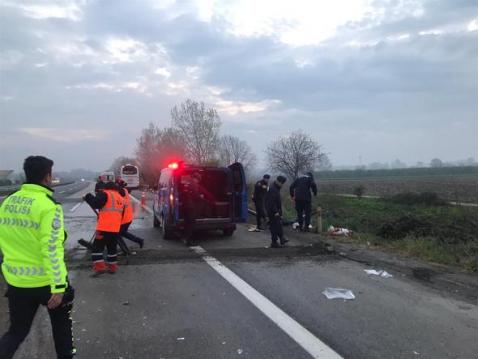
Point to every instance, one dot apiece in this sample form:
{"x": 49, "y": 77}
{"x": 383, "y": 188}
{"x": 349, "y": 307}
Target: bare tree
{"x": 199, "y": 127}
{"x": 324, "y": 162}
{"x": 232, "y": 149}
{"x": 294, "y": 154}
{"x": 156, "y": 148}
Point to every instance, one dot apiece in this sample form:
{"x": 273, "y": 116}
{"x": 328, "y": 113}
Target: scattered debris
{"x": 181, "y": 338}
{"x": 338, "y": 293}
{"x": 125, "y": 303}
{"x": 337, "y": 231}
{"x": 381, "y": 273}
{"x": 254, "y": 229}
{"x": 239, "y": 351}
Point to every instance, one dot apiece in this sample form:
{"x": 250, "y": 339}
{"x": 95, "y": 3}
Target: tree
{"x": 121, "y": 161}
{"x": 232, "y": 149}
{"x": 324, "y": 162}
{"x": 156, "y": 148}
{"x": 199, "y": 127}
{"x": 294, "y": 154}
{"x": 436, "y": 162}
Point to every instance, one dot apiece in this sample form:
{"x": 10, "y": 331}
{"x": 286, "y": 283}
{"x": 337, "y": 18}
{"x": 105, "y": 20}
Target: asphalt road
{"x": 172, "y": 301}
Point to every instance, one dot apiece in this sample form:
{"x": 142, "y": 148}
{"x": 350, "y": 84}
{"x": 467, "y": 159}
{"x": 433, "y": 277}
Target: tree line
{"x": 194, "y": 136}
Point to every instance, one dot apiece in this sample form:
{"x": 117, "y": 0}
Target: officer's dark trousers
{"x": 303, "y": 207}
{"x": 189, "y": 222}
{"x": 23, "y": 304}
{"x": 275, "y": 225}
{"x": 260, "y": 212}
{"x": 102, "y": 240}
{"x": 124, "y": 233}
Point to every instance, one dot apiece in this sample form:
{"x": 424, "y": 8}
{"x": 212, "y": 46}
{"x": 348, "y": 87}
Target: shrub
{"x": 359, "y": 190}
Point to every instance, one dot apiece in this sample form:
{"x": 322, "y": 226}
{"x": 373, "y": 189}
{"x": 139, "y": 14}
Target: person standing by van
{"x": 192, "y": 198}
{"x": 260, "y": 190}
{"x": 300, "y": 192}
{"x": 110, "y": 204}
{"x": 273, "y": 204}
{"x": 31, "y": 240}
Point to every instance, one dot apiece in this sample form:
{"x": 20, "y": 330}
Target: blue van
{"x": 224, "y": 204}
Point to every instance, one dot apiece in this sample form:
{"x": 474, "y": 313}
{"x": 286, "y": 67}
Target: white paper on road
{"x": 381, "y": 273}
{"x": 338, "y": 293}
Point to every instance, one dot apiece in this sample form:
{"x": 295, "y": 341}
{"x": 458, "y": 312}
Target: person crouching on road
{"x": 31, "y": 240}
{"x": 274, "y": 212}
{"x": 260, "y": 191}
{"x": 300, "y": 193}
{"x": 128, "y": 215}
{"x": 110, "y": 205}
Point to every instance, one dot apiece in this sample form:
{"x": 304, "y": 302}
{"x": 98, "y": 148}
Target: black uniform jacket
{"x": 273, "y": 201}
{"x": 301, "y": 187}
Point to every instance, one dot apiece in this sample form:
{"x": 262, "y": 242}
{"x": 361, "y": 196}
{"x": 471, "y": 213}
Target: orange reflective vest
{"x": 111, "y": 214}
{"x": 128, "y": 214}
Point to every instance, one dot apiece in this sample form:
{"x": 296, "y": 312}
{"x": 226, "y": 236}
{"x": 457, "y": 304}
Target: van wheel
{"x": 156, "y": 223}
{"x": 228, "y": 232}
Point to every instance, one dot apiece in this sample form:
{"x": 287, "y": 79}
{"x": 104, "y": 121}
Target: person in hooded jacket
{"x": 128, "y": 214}
{"x": 301, "y": 192}
{"x": 273, "y": 205}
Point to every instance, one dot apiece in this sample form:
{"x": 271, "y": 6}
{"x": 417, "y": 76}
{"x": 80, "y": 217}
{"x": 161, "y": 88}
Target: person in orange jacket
{"x": 110, "y": 205}
{"x": 128, "y": 215}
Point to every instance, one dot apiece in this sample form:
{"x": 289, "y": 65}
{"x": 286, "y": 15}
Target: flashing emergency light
{"x": 173, "y": 166}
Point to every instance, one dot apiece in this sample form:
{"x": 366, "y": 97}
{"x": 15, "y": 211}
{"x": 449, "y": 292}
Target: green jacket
{"x": 31, "y": 239}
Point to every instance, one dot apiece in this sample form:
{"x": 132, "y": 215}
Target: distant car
{"x": 55, "y": 181}
{"x": 82, "y": 180}
{"x": 224, "y": 205}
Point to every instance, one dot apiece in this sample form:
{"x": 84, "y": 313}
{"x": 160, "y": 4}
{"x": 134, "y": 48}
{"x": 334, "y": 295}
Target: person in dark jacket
{"x": 192, "y": 200}
{"x": 100, "y": 185}
{"x": 273, "y": 204}
{"x": 300, "y": 191}
{"x": 260, "y": 191}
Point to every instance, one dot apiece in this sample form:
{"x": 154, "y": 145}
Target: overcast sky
{"x": 370, "y": 79}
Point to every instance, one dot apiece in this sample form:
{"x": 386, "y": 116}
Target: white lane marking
{"x": 310, "y": 343}
{"x": 146, "y": 208}
{"x": 75, "y": 207}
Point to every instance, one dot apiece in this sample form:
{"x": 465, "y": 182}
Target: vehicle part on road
{"x": 338, "y": 293}
{"x": 381, "y": 273}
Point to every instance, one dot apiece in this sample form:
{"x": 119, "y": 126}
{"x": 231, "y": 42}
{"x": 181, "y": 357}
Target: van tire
{"x": 156, "y": 223}
{"x": 228, "y": 232}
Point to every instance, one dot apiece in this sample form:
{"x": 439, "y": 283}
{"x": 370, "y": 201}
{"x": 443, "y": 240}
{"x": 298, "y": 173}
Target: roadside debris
{"x": 381, "y": 273}
{"x": 338, "y": 293}
{"x": 180, "y": 338}
{"x": 254, "y": 229}
{"x": 337, "y": 231}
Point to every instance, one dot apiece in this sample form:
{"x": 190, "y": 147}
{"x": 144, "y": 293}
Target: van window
{"x": 214, "y": 184}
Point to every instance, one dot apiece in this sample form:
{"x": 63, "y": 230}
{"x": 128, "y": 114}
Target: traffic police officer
{"x": 31, "y": 240}
{"x": 110, "y": 204}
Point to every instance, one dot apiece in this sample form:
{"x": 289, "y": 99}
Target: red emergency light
{"x": 173, "y": 166}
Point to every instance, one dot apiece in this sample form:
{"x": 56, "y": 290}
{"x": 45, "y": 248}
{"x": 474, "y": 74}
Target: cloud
{"x": 69, "y": 10}
{"x": 64, "y": 135}
{"x": 376, "y": 72}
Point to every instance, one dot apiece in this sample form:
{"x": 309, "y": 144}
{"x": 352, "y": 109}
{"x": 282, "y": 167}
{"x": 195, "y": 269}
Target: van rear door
{"x": 239, "y": 187}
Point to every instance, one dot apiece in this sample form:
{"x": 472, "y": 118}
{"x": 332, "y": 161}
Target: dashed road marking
{"x": 308, "y": 341}
{"x": 75, "y": 207}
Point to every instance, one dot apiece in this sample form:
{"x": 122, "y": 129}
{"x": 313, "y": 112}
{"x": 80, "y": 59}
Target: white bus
{"x": 130, "y": 174}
